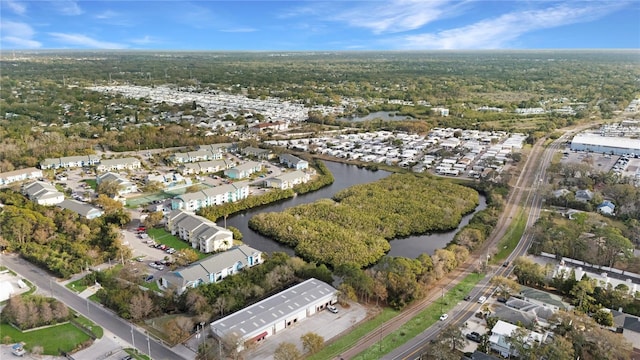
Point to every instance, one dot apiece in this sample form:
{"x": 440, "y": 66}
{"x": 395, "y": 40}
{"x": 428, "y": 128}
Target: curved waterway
{"x": 345, "y": 176}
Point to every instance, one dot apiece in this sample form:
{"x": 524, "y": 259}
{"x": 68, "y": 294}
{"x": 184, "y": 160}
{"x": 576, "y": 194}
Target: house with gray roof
{"x": 220, "y": 147}
{"x": 292, "y": 161}
{"x": 287, "y": 180}
{"x": 261, "y": 154}
{"x": 124, "y": 186}
{"x": 206, "y": 167}
{"x": 42, "y": 193}
{"x": 9, "y": 177}
{"x": 195, "y": 156}
{"x": 212, "y": 269}
{"x": 203, "y": 234}
{"x": 70, "y": 162}
{"x": 85, "y": 210}
{"x": 129, "y": 163}
{"x": 584, "y": 195}
{"x": 243, "y": 171}
{"x": 629, "y": 325}
{"x": 212, "y": 196}
{"x": 275, "y": 314}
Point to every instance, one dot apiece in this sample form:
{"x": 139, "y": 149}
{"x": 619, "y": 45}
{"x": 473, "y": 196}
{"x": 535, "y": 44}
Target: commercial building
{"x": 614, "y": 145}
{"x": 276, "y": 313}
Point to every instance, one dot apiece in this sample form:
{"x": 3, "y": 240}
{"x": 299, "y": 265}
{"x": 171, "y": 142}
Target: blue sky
{"x": 315, "y": 25}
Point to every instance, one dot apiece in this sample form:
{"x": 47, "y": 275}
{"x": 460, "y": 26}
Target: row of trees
{"x": 214, "y": 213}
{"x": 58, "y": 240}
{"x": 27, "y": 312}
{"x": 589, "y": 237}
{"x": 586, "y": 294}
{"x": 355, "y": 227}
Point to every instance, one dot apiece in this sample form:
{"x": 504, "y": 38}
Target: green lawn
{"x": 161, "y": 236}
{"x": 91, "y": 182}
{"x": 425, "y": 319}
{"x": 64, "y": 337}
{"x": 511, "y": 238}
{"x": 97, "y": 330}
{"x": 77, "y": 286}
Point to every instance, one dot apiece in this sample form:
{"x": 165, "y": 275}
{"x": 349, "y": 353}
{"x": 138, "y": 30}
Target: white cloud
{"x": 109, "y": 14}
{"x": 395, "y": 16}
{"x": 239, "y": 30}
{"x": 84, "y": 41}
{"x": 499, "y": 32}
{"x": 17, "y": 35}
{"x": 68, "y": 7}
{"x": 145, "y": 40}
{"x": 15, "y": 6}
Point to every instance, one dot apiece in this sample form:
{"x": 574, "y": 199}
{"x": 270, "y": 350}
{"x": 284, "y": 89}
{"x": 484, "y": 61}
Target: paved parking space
{"x": 324, "y": 323}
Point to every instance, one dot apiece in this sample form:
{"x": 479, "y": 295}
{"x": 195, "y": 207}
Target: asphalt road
{"x": 528, "y": 183}
{"x": 95, "y": 312}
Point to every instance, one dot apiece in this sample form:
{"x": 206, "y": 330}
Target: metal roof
{"x": 272, "y": 309}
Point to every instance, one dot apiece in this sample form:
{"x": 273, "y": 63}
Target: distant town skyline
{"x": 314, "y": 25}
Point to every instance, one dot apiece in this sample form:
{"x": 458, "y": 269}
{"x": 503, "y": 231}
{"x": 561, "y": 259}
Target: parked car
{"x": 474, "y": 336}
{"x": 502, "y": 299}
{"x": 444, "y": 317}
{"x": 333, "y": 309}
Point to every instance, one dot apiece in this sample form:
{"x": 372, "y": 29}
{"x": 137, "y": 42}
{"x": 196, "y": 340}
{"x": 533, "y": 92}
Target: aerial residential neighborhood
{"x": 320, "y": 205}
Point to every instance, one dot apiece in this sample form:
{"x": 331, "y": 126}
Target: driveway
{"x": 324, "y": 323}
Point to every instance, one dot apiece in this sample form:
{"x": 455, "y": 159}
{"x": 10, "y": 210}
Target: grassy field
{"x": 64, "y": 337}
{"x": 91, "y": 183}
{"x": 97, "y": 330}
{"x": 418, "y": 324}
{"x": 161, "y": 236}
{"x": 77, "y": 286}
{"x": 425, "y": 319}
{"x": 511, "y": 238}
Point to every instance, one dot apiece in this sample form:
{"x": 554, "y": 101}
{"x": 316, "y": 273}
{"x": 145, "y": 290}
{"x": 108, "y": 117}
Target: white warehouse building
{"x": 605, "y": 144}
{"x": 276, "y": 313}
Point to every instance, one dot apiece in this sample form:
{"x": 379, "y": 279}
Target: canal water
{"x": 345, "y": 176}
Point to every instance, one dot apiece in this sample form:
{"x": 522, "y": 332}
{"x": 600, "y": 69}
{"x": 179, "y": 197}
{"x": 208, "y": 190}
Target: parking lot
{"x": 325, "y": 323}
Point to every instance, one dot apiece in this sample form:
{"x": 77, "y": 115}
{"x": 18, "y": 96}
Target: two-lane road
{"x": 101, "y": 316}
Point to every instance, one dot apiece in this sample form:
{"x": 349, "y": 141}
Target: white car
{"x": 444, "y": 317}
{"x": 332, "y": 308}
{"x": 482, "y": 299}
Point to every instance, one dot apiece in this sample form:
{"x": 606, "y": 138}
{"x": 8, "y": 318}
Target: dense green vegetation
{"x": 324, "y": 178}
{"x": 354, "y": 227}
{"x": 50, "y": 88}
{"x": 58, "y": 240}
{"x": 34, "y": 311}
{"x": 589, "y": 237}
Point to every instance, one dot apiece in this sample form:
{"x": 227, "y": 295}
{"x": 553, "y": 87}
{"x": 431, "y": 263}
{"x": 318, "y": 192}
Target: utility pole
{"x": 133, "y": 341}
{"x": 148, "y": 345}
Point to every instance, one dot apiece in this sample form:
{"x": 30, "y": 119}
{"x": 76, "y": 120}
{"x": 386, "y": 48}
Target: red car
{"x": 141, "y": 228}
